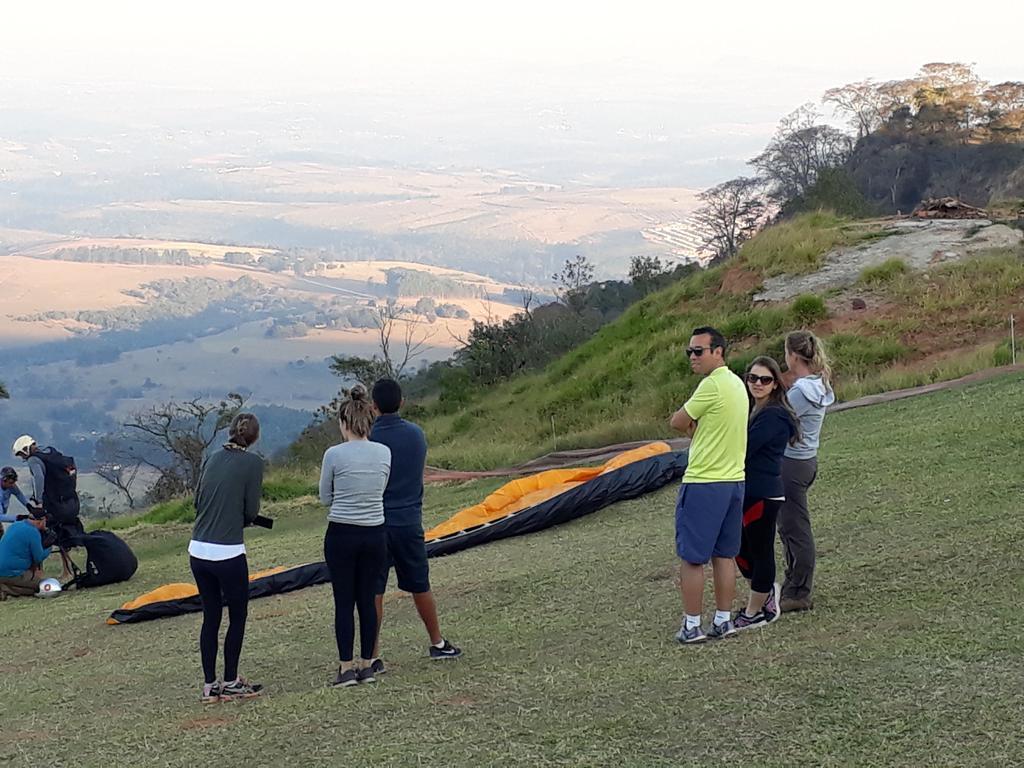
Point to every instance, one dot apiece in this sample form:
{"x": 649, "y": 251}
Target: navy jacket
{"x": 767, "y": 437}
{"x": 403, "y": 496}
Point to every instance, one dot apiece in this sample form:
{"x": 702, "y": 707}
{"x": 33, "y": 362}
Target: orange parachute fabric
{"x": 526, "y": 492}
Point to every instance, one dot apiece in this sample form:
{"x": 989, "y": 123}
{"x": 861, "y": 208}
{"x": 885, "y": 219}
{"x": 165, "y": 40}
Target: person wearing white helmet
{"x": 21, "y": 556}
{"x": 24, "y": 448}
{"x": 54, "y": 489}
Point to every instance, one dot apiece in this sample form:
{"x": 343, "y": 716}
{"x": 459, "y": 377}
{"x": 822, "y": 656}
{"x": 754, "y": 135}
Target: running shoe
{"x": 719, "y": 631}
{"x": 446, "y": 651}
{"x": 365, "y": 675}
{"x": 211, "y": 694}
{"x": 240, "y": 689}
{"x": 759, "y": 619}
{"x": 690, "y": 636}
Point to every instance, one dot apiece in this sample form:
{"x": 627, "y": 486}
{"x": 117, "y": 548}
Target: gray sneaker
{"x": 719, "y": 631}
{"x": 690, "y": 636}
{"x": 346, "y": 679}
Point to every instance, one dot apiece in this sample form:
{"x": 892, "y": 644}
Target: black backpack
{"x": 108, "y": 559}
{"x": 60, "y": 485}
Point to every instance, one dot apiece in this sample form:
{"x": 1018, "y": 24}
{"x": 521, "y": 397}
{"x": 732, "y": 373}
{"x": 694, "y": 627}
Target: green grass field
{"x": 913, "y": 653}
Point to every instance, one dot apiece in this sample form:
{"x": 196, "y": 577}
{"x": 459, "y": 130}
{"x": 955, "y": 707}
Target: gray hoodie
{"x": 809, "y": 397}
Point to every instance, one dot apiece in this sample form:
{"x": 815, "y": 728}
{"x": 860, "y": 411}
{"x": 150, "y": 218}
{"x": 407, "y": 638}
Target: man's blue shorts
{"x": 407, "y": 553}
{"x": 709, "y": 521}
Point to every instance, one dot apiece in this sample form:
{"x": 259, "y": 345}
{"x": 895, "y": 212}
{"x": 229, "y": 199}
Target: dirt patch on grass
{"x": 740, "y": 281}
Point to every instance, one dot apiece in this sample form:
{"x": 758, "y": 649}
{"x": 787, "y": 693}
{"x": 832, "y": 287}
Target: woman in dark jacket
{"x": 773, "y": 426}
{"x": 227, "y": 499}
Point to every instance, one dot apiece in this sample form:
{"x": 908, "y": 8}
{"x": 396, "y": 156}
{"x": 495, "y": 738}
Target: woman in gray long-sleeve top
{"x": 227, "y": 499}
{"x": 810, "y": 395}
{"x": 352, "y": 481}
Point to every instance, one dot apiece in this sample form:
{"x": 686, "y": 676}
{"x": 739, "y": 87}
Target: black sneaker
{"x": 240, "y": 689}
{"x": 446, "y": 651}
{"x": 377, "y": 666}
{"x": 759, "y": 619}
{"x": 365, "y": 675}
{"x": 212, "y": 696}
{"x": 345, "y": 679}
{"x": 718, "y": 631}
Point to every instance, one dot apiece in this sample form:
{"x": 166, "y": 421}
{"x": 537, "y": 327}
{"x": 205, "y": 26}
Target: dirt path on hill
{"x": 571, "y": 458}
{"x": 919, "y": 244}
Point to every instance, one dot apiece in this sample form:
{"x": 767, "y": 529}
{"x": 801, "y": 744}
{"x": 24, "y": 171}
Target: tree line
{"x": 904, "y": 138}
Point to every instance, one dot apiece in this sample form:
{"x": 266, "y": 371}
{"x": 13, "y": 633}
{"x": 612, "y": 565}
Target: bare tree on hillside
{"x": 572, "y": 280}
{"x": 400, "y": 340}
{"x": 181, "y": 433}
{"x": 732, "y": 213}
{"x": 801, "y": 148}
{"x": 119, "y": 464}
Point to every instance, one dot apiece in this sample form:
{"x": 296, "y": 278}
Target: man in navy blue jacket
{"x": 403, "y": 517}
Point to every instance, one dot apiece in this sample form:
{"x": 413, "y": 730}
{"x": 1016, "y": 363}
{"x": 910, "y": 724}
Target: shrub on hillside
{"x": 808, "y": 309}
{"x": 856, "y": 356}
{"x": 884, "y": 272}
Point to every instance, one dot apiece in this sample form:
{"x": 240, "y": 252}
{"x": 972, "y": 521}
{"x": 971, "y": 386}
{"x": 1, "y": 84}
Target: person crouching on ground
{"x": 21, "y": 556}
{"x": 709, "y": 511}
{"x": 227, "y": 499}
{"x": 352, "y": 481}
{"x": 810, "y": 395}
{"x": 403, "y": 517}
{"x": 773, "y": 426}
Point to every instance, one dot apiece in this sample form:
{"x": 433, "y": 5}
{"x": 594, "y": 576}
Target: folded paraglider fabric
{"x": 521, "y": 506}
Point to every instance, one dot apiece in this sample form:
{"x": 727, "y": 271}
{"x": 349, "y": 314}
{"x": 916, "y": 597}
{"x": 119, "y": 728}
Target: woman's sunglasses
{"x": 753, "y": 378}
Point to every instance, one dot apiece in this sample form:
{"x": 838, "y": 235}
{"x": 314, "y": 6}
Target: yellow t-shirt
{"x": 720, "y": 407}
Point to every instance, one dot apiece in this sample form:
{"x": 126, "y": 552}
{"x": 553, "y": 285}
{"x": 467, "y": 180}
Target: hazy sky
{"x": 786, "y": 51}
{"x": 715, "y": 78}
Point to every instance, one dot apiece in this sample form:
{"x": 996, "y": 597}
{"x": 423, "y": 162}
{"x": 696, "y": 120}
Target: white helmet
{"x": 48, "y": 588}
{"x": 22, "y": 444}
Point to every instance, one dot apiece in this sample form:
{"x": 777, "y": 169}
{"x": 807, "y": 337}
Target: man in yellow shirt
{"x": 709, "y": 512}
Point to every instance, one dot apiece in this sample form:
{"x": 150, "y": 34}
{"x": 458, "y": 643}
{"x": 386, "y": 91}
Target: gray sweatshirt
{"x": 228, "y": 497}
{"x": 352, "y": 481}
{"x": 809, "y": 397}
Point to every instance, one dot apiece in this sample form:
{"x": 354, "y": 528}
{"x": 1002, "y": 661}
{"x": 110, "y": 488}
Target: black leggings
{"x": 355, "y": 555}
{"x": 757, "y": 545}
{"x": 220, "y": 582}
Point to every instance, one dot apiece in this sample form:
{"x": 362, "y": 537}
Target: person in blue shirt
{"x": 772, "y": 427}
{"x": 403, "y": 517}
{"x": 9, "y": 487}
{"x": 21, "y": 556}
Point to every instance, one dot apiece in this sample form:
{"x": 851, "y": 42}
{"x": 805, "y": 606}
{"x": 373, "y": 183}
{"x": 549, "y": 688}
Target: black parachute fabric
{"x": 176, "y": 599}
{"x": 629, "y": 481}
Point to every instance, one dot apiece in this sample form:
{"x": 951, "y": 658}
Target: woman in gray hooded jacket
{"x": 810, "y": 395}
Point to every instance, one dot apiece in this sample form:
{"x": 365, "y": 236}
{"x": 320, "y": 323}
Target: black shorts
{"x": 407, "y": 553}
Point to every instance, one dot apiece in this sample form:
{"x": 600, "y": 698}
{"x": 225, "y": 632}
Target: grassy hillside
{"x": 570, "y": 659}
{"x": 625, "y": 382}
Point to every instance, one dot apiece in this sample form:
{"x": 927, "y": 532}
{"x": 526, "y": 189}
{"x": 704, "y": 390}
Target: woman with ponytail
{"x": 227, "y": 500}
{"x": 809, "y": 395}
{"x": 352, "y": 481}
